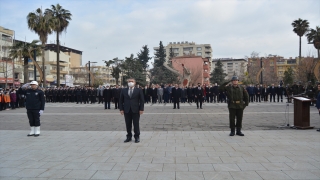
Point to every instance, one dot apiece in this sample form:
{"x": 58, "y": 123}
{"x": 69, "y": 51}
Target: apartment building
{"x": 231, "y": 66}
{"x": 6, "y": 64}
{"x": 99, "y": 75}
{"x": 187, "y": 48}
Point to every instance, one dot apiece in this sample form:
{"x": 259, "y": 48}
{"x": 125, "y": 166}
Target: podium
{"x": 302, "y": 113}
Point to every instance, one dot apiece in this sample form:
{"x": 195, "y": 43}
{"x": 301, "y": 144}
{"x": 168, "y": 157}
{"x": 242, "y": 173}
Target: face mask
{"x": 130, "y": 84}
{"x": 198, "y": 85}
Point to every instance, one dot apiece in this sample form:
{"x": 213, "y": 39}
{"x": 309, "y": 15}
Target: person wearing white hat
{"x": 35, "y": 106}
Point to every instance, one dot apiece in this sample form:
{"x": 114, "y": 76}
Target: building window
{"x": 199, "y": 53}
{"x": 16, "y": 75}
{"x": 199, "y": 48}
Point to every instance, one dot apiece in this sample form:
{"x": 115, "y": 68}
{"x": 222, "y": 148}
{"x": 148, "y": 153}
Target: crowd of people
{"x": 158, "y": 93}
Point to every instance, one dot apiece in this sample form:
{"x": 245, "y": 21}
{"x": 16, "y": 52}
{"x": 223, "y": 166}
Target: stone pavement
{"x": 171, "y": 155}
{"x": 86, "y": 142}
{"x": 213, "y": 117}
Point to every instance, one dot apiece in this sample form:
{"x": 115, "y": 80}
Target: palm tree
{"x": 40, "y": 24}
{"x": 22, "y": 50}
{"x": 300, "y": 27}
{"x": 313, "y": 36}
{"x": 60, "y": 20}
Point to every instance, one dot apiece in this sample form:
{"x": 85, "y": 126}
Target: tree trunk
{"x": 43, "y": 66}
{"x": 25, "y": 70}
{"x": 58, "y": 61}
{"x": 299, "y": 49}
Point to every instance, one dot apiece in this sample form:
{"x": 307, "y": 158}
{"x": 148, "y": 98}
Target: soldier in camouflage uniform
{"x": 238, "y": 99}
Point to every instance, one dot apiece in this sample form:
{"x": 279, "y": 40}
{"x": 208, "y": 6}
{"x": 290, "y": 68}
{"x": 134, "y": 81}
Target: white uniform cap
{"x": 34, "y": 82}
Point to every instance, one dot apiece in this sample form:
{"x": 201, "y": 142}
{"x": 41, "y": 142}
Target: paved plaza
{"x": 84, "y": 141}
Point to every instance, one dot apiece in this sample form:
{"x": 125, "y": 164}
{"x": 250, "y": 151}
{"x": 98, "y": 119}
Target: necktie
{"x": 130, "y": 92}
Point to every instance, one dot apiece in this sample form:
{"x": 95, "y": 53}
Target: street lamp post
{"x": 261, "y": 76}
{"x": 89, "y": 72}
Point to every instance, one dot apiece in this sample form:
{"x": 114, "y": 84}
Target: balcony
{"x": 206, "y": 75}
{"x": 55, "y": 63}
{"x": 61, "y": 72}
{"x": 206, "y": 67}
{"x": 207, "y": 50}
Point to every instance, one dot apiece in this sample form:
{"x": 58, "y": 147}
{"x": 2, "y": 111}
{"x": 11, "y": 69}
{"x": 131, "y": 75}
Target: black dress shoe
{"x": 127, "y": 140}
{"x": 137, "y": 140}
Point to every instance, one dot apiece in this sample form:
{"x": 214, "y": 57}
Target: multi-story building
{"x": 68, "y": 58}
{"x": 273, "y": 68}
{"x": 99, "y": 75}
{"x": 6, "y": 64}
{"x": 231, "y": 66}
{"x": 188, "y": 48}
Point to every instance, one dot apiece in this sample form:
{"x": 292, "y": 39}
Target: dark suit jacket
{"x": 135, "y": 103}
{"x": 198, "y": 92}
{"x": 176, "y": 94}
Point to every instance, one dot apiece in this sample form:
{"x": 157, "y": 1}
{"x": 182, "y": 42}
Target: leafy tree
{"x": 133, "y": 68}
{"x": 143, "y": 57}
{"x": 59, "y": 19}
{"x": 218, "y": 74}
{"x": 160, "y": 55}
{"x": 288, "y": 76}
{"x": 300, "y": 27}
{"x": 21, "y": 50}
{"x": 40, "y": 24}
{"x": 115, "y": 63}
{"x": 159, "y": 73}
{"x": 313, "y": 36}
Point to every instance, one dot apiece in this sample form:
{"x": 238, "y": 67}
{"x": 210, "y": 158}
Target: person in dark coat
{"x": 154, "y": 94}
{"x": 166, "y": 94}
{"x": 258, "y": 92}
{"x": 280, "y": 93}
{"x": 318, "y": 101}
{"x": 107, "y": 96}
{"x": 183, "y": 95}
{"x": 35, "y": 106}
{"x": 13, "y": 98}
{"x": 198, "y": 95}
{"x": 131, "y": 105}
{"x": 116, "y": 95}
{"x": 272, "y": 92}
{"x": 176, "y": 95}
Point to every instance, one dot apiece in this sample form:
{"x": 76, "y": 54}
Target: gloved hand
{"x": 41, "y": 112}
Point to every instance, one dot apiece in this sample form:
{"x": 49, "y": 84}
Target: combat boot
{"x": 36, "y": 131}
{"x": 232, "y": 132}
{"x": 239, "y": 133}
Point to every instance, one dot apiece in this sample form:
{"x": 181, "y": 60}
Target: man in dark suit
{"x": 116, "y": 95}
{"x": 107, "y": 96}
{"x": 198, "y": 95}
{"x": 176, "y": 95}
{"x": 272, "y": 93}
{"x": 131, "y": 105}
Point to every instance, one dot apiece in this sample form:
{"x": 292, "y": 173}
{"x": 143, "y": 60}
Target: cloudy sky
{"x": 105, "y": 29}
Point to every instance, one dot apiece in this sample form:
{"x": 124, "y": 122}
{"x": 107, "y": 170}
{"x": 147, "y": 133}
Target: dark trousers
{"x": 34, "y": 117}
{"x": 176, "y": 104}
{"x": 258, "y": 98}
{"x": 100, "y": 99}
{"x": 107, "y": 105}
{"x": 154, "y": 100}
{"x": 199, "y": 100}
{"x": 235, "y": 113}
{"x": 13, "y": 105}
{"x": 273, "y": 96}
{"x": 116, "y": 103}
{"x": 79, "y": 99}
{"x": 279, "y": 96}
{"x": 132, "y": 118}
{"x": 251, "y": 96}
